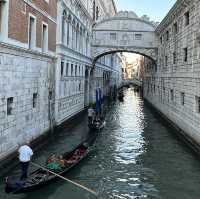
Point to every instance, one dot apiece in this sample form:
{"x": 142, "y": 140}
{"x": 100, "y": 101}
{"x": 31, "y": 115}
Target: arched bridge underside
{"x": 125, "y": 32}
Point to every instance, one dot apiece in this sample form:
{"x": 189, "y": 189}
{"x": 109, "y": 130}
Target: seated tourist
{"x": 61, "y": 161}
{"x": 52, "y": 158}
{"x": 53, "y": 163}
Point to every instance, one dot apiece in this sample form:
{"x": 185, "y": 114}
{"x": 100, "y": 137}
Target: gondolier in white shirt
{"x": 91, "y": 113}
{"x": 25, "y": 154}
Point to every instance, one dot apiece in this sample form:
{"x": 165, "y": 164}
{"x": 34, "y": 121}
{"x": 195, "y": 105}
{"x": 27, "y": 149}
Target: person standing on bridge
{"x": 25, "y": 154}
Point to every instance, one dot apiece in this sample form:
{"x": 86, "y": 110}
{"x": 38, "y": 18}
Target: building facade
{"x": 173, "y": 85}
{"x": 77, "y": 77}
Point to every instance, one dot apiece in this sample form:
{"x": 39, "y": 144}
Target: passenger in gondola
{"x": 53, "y": 163}
{"x": 61, "y": 161}
{"x": 97, "y": 121}
{"x": 52, "y": 158}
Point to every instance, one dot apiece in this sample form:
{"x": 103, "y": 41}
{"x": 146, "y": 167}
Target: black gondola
{"x": 40, "y": 177}
{"x": 121, "y": 96}
{"x": 97, "y": 125}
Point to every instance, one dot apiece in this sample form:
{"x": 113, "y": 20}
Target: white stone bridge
{"x": 125, "y": 32}
{"x": 135, "y": 82}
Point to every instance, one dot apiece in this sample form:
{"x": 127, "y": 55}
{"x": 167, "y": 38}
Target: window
{"x": 161, "y": 41}
{"x": 1, "y": 15}
{"x": 174, "y": 57}
{"x": 166, "y": 60}
{"x": 10, "y": 106}
{"x": 175, "y": 27}
{"x": 113, "y": 36}
{"x": 76, "y": 70}
{"x": 72, "y": 69}
{"x": 187, "y": 18}
{"x": 32, "y": 32}
{"x": 44, "y": 38}
{"x": 67, "y": 69}
{"x": 93, "y": 10}
{"x": 172, "y": 95}
{"x": 167, "y": 35}
{"x": 185, "y": 54}
{"x": 138, "y": 36}
{"x": 197, "y": 104}
{"x": 97, "y": 13}
{"x": 35, "y": 95}
{"x": 79, "y": 86}
{"x": 182, "y": 99}
{"x": 63, "y": 25}
{"x": 68, "y": 25}
{"x": 50, "y": 95}
{"x": 62, "y": 68}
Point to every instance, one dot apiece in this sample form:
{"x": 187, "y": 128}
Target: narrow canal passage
{"x": 136, "y": 156}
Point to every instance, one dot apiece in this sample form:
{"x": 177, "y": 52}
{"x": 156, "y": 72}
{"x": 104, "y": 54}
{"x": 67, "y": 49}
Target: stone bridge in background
{"x": 125, "y": 32}
{"x": 135, "y": 82}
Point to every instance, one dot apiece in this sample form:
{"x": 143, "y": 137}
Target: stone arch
{"x": 145, "y": 52}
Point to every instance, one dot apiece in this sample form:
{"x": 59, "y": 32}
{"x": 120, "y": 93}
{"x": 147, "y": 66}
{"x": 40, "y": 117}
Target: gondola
{"x": 121, "y": 96}
{"x": 40, "y": 177}
{"x": 97, "y": 126}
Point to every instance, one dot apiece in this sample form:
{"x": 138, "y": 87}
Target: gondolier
{"x": 25, "y": 154}
{"x": 91, "y": 113}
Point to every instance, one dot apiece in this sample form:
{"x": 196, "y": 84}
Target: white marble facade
{"x": 173, "y": 85}
{"x": 77, "y": 78}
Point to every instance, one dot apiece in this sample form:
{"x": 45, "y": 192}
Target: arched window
{"x": 87, "y": 44}
{"x": 97, "y": 13}
{"x": 68, "y": 28}
{"x": 63, "y": 25}
{"x": 76, "y": 70}
{"x": 81, "y": 40}
{"x": 94, "y": 7}
{"x": 73, "y": 33}
{"x": 77, "y": 36}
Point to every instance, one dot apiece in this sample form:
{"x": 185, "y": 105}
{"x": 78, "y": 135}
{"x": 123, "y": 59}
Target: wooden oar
{"x": 66, "y": 179}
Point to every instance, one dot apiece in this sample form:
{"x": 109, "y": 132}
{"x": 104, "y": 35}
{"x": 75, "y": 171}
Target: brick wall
{"x": 19, "y": 18}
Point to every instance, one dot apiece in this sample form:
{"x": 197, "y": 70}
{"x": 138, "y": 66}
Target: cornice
{"x": 124, "y": 18}
{"x": 173, "y": 13}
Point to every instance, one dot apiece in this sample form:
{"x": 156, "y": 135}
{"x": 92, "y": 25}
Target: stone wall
{"x": 23, "y": 74}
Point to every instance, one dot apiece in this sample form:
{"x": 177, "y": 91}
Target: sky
{"x": 155, "y": 9}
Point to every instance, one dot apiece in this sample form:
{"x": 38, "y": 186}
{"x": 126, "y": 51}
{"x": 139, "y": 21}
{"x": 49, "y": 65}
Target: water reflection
{"x": 136, "y": 156}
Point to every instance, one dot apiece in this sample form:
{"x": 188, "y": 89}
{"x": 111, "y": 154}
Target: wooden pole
{"x": 66, "y": 179}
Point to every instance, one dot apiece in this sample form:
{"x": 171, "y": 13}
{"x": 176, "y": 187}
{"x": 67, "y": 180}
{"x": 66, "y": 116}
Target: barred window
{"x": 138, "y": 36}
{"x": 10, "y": 106}
{"x": 35, "y": 96}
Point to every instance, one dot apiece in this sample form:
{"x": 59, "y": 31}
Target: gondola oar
{"x": 66, "y": 179}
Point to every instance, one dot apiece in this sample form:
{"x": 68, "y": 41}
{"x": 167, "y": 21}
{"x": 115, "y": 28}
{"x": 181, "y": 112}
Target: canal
{"x": 135, "y": 156}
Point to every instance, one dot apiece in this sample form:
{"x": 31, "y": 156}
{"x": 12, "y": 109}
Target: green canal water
{"x": 136, "y": 156}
